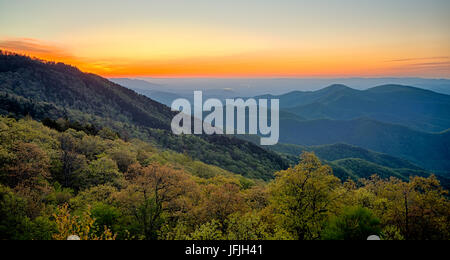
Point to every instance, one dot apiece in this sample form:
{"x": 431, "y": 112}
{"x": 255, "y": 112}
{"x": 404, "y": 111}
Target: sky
{"x": 234, "y": 38}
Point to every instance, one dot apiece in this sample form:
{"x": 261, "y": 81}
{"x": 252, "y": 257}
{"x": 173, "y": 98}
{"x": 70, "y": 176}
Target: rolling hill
{"x": 335, "y": 152}
{"x": 352, "y": 162}
{"x": 420, "y": 109}
{"x": 430, "y": 151}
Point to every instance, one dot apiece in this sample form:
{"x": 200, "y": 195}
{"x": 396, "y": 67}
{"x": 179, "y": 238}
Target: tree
{"x": 81, "y": 226}
{"x": 416, "y": 210}
{"x": 249, "y": 226}
{"x": 107, "y": 133}
{"x": 36, "y": 196}
{"x": 221, "y": 201}
{"x": 123, "y": 157}
{"x": 91, "y": 147}
{"x": 106, "y": 216}
{"x": 301, "y": 197}
{"x": 429, "y": 211}
{"x": 354, "y": 224}
{"x": 71, "y": 161}
{"x": 208, "y": 231}
{"x": 13, "y": 218}
{"x": 100, "y": 172}
{"x": 153, "y": 192}
{"x": 28, "y": 164}
{"x": 98, "y": 194}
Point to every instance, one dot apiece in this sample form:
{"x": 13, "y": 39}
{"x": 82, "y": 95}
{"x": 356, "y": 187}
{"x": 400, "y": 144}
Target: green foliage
{"x": 247, "y": 227}
{"x": 351, "y": 162}
{"x": 60, "y": 195}
{"x": 302, "y": 197}
{"x": 208, "y": 231}
{"x": 13, "y": 218}
{"x": 105, "y": 216}
{"x": 172, "y": 196}
{"x": 354, "y": 224}
{"x": 103, "y": 171}
{"x": 124, "y": 158}
{"x": 342, "y": 151}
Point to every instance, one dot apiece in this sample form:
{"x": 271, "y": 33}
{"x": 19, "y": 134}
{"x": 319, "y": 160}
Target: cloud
{"x": 432, "y": 64}
{"x": 29, "y": 45}
{"x": 34, "y": 47}
{"x": 420, "y": 59}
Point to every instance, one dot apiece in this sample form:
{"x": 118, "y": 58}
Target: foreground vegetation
{"x": 57, "y": 182}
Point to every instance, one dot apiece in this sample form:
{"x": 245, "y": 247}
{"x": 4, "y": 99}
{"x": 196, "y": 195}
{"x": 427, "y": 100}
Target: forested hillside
{"x": 343, "y": 151}
{"x": 47, "y": 90}
{"x": 428, "y": 150}
{"x": 59, "y": 182}
{"x": 352, "y": 162}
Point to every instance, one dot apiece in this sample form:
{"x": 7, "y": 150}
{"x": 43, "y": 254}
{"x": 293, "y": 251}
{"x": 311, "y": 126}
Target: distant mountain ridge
{"x": 246, "y": 87}
{"x": 165, "y": 95}
{"x": 148, "y": 89}
{"x": 413, "y": 107}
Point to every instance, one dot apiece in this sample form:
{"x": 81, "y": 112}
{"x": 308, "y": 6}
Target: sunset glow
{"x": 234, "y": 39}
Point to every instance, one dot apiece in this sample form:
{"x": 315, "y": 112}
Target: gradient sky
{"x": 234, "y": 38}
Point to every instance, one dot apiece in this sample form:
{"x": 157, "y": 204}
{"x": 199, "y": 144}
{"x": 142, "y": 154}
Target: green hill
{"x": 427, "y": 150}
{"x": 296, "y": 98}
{"x": 358, "y": 168}
{"x": 54, "y": 90}
{"x": 355, "y": 169}
{"x": 413, "y": 107}
{"x": 337, "y": 152}
{"x": 352, "y": 162}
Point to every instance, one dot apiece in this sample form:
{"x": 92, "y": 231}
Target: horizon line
{"x": 137, "y": 77}
{"x": 229, "y": 76}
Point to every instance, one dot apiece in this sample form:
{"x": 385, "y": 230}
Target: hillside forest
{"x": 57, "y": 181}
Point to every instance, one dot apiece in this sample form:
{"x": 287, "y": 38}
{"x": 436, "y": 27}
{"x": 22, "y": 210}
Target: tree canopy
{"x": 56, "y": 183}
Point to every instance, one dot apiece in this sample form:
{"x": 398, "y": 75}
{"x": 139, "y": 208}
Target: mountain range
{"x": 245, "y": 87}
{"x": 390, "y": 130}
{"x": 401, "y": 121}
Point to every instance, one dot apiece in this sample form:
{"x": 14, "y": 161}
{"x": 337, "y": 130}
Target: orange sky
{"x": 269, "y": 63}
{"x": 283, "y": 38}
